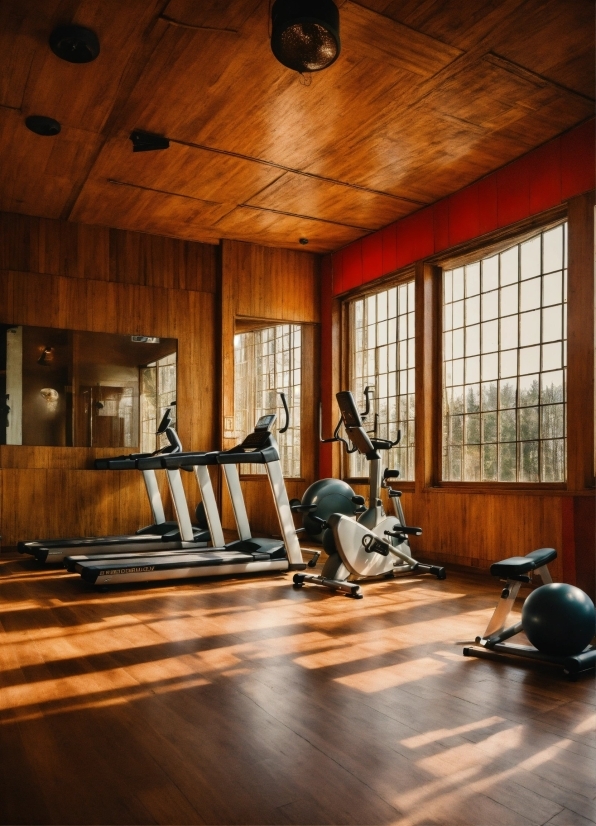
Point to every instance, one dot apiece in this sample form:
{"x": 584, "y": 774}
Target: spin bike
{"x": 374, "y": 544}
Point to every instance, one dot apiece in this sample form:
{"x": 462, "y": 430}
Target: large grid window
{"x": 158, "y": 391}
{"x": 267, "y": 362}
{"x": 504, "y": 364}
{"x": 383, "y": 357}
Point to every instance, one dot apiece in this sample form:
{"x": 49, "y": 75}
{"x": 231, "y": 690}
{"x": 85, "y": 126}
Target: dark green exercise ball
{"x": 559, "y": 619}
{"x": 329, "y": 496}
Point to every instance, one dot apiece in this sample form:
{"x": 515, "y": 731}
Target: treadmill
{"x": 247, "y": 554}
{"x": 161, "y": 535}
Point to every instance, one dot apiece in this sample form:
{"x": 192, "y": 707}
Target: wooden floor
{"x": 249, "y": 702}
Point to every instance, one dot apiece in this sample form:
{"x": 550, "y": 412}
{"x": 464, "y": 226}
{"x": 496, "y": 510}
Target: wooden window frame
{"x": 468, "y": 253}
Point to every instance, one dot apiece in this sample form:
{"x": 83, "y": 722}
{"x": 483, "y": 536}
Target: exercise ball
{"x": 559, "y": 619}
{"x": 330, "y": 496}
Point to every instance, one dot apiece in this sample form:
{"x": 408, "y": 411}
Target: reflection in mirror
{"x": 83, "y": 389}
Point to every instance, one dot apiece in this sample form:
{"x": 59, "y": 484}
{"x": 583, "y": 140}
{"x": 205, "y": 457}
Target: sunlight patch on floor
{"x": 440, "y": 734}
{"x": 380, "y": 679}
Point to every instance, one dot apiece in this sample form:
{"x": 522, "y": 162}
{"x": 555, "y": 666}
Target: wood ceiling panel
{"x": 402, "y": 145}
{"x": 329, "y": 201}
{"x": 230, "y": 93}
{"x": 20, "y": 35}
{"x": 185, "y": 170}
{"x": 272, "y": 229}
{"x": 427, "y": 96}
{"x": 128, "y": 207}
{"x": 513, "y": 93}
{"x": 211, "y": 14}
{"x": 368, "y": 34}
{"x": 36, "y": 173}
{"x": 456, "y": 132}
{"x": 547, "y": 36}
{"x": 448, "y": 20}
{"x": 82, "y": 95}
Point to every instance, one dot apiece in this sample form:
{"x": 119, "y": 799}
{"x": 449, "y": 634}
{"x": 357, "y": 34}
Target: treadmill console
{"x": 266, "y": 422}
{"x": 259, "y": 447}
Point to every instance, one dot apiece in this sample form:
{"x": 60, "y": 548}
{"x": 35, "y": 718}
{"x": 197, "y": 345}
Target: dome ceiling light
{"x": 305, "y": 34}
{"x": 76, "y": 44}
{"x": 42, "y": 125}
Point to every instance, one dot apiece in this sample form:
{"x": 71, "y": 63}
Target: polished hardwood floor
{"x": 248, "y": 702}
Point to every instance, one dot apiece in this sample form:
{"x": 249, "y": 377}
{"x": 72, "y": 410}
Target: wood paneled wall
{"x": 59, "y": 274}
{"x": 280, "y": 286}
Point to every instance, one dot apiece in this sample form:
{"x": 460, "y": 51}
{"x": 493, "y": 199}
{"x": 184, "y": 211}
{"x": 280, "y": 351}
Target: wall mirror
{"x": 83, "y": 389}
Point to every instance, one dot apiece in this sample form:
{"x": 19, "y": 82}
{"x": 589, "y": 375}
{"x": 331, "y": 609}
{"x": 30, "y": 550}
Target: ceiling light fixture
{"x": 76, "y": 44}
{"x": 42, "y": 125}
{"x": 147, "y": 141}
{"x": 305, "y": 34}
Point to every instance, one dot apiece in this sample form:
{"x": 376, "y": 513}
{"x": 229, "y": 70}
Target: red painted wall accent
{"x": 578, "y": 160}
{"x": 545, "y": 177}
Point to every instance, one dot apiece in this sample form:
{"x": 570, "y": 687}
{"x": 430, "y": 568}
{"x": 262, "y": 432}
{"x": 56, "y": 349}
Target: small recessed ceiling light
{"x": 303, "y": 241}
{"x": 42, "y": 125}
{"x": 76, "y": 44}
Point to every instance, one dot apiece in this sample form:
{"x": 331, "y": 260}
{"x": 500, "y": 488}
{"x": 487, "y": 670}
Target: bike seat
{"x": 517, "y": 566}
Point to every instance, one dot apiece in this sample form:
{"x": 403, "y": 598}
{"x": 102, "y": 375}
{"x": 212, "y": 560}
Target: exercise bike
{"x": 372, "y": 544}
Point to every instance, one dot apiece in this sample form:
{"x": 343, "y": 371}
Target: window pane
{"x": 552, "y": 249}
{"x": 552, "y": 324}
{"x": 509, "y": 266}
{"x": 473, "y": 309}
{"x": 490, "y": 273}
{"x": 489, "y": 368}
{"x": 490, "y": 336}
{"x": 530, "y": 258}
{"x": 529, "y": 360}
{"x": 472, "y": 279}
{"x": 490, "y": 305}
{"x": 504, "y": 364}
{"x": 385, "y": 360}
{"x": 552, "y": 288}
{"x": 267, "y": 362}
{"x": 489, "y": 427}
{"x": 528, "y": 461}
{"x": 530, "y": 294}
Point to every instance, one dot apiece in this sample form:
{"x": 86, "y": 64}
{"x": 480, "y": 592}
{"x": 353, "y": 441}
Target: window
{"x": 267, "y": 362}
{"x": 383, "y": 357}
{"x": 158, "y": 391}
{"x": 504, "y": 359}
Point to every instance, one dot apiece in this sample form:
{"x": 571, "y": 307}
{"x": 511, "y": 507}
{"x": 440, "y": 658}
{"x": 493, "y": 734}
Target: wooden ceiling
{"x": 426, "y": 97}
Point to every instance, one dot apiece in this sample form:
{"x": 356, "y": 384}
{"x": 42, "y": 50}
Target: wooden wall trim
{"x": 428, "y": 422}
{"x": 580, "y": 344}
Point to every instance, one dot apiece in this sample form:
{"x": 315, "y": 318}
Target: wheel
{"x": 298, "y": 580}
